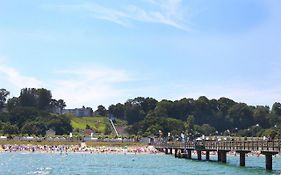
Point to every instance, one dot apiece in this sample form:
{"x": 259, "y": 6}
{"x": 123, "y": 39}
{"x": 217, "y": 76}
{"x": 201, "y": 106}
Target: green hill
{"x": 99, "y": 124}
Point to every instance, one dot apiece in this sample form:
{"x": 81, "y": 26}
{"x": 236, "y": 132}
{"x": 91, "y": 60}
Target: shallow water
{"x": 107, "y": 164}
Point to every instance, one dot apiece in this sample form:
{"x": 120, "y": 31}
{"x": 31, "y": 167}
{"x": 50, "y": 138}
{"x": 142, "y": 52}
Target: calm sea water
{"x": 102, "y": 164}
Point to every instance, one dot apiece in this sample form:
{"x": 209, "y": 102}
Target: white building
{"x": 79, "y": 112}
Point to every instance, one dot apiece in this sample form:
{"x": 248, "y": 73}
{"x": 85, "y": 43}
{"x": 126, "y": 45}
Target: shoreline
{"x": 82, "y": 148}
{"x": 98, "y": 148}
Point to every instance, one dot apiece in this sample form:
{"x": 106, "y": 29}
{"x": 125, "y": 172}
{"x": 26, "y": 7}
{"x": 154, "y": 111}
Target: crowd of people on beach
{"x": 79, "y": 149}
{"x": 83, "y": 148}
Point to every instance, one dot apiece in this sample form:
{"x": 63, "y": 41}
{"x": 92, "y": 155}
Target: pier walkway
{"x": 184, "y": 150}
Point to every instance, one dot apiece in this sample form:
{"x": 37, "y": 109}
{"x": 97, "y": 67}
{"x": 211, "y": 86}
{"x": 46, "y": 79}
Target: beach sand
{"x": 82, "y": 148}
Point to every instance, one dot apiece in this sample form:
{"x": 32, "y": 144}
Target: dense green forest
{"x": 32, "y": 113}
{"x": 224, "y": 116}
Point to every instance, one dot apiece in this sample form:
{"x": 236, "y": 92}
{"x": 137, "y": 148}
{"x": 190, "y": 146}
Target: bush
{"x": 10, "y": 129}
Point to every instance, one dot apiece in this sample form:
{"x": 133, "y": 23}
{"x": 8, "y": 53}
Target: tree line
{"x": 224, "y": 116}
{"x": 32, "y": 113}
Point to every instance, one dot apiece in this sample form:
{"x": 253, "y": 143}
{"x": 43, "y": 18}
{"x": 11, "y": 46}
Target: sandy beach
{"x": 82, "y": 148}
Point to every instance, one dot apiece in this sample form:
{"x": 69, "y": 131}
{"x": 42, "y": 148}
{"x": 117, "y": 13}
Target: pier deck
{"x": 184, "y": 150}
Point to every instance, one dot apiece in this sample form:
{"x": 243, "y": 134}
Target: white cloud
{"x": 87, "y": 86}
{"x": 91, "y": 85}
{"x": 16, "y": 79}
{"x": 167, "y": 12}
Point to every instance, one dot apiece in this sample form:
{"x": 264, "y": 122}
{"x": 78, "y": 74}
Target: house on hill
{"x": 79, "y": 112}
{"x": 88, "y": 132}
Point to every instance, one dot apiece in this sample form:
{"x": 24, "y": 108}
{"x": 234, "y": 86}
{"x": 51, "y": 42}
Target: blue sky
{"x": 104, "y": 52}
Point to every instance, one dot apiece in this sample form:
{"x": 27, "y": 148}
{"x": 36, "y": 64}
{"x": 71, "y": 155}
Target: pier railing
{"x": 184, "y": 150}
{"x": 259, "y": 145}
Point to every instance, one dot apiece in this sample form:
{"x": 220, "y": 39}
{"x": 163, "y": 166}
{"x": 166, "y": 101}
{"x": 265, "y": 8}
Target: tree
{"x": 224, "y": 104}
{"x": 12, "y": 103}
{"x": 3, "y": 97}
{"x": 4, "y": 118}
{"x": 171, "y": 125}
{"x": 56, "y": 105}
{"x": 189, "y": 125}
{"x": 108, "y": 129}
{"x": 271, "y": 133}
{"x": 88, "y": 126}
{"x": 206, "y": 129}
{"x": 38, "y": 98}
{"x": 276, "y": 109}
{"x": 36, "y": 128}
{"x": 28, "y": 97}
{"x": 203, "y": 112}
{"x": 148, "y": 104}
{"x": 240, "y": 115}
{"x": 117, "y": 111}
{"x": 261, "y": 116}
{"x": 43, "y": 99}
{"x": 61, "y": 104}
{"x": 166, "y": 108}
{"x": 161, "y": 111}
{"x": 101, "y": 110}
{"x": 133, "y": 112}
{"x": 10, "y": 129}
{"x": 182, "y": 108}
{"x": 20, "y": 115}
{"x": 153, "y": 130}
{"x": 150, "y": 119}
{"x": 60, "y": 124}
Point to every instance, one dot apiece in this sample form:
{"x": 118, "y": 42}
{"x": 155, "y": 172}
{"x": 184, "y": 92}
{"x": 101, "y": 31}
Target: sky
{"x": 104, "y": 52}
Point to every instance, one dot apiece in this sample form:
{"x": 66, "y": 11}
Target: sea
{"x": 123, "y": 164}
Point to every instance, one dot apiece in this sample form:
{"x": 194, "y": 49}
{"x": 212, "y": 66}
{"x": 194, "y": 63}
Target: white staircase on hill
{"x": 113, "y": 126}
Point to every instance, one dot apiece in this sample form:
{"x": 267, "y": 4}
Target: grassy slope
{"x": 97, "y": 123}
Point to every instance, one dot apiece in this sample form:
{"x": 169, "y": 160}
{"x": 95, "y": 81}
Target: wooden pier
{"x": 184, "y": 150}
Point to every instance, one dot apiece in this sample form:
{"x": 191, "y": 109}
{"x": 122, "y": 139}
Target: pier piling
{"x": 176, "y": 153}
{"x": 267, "y": 148}
{"x": 242, "y": 157}
{"x": 199, "y": 155}
{"x": 222, "y": 156}
{"x": 207, "y": 155}
{"x": 189, "y": 155}
{"x": 268, "y": 159}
